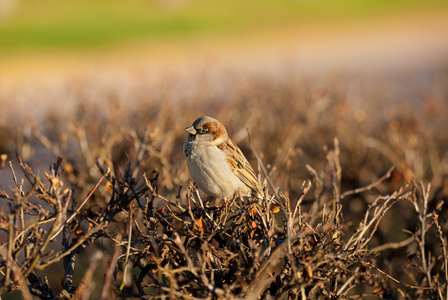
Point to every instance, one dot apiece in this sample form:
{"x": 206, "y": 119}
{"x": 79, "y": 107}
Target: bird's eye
{"x": 202, "y": 131}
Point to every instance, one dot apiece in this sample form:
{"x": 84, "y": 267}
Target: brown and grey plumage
{"x": 215, "y": 162}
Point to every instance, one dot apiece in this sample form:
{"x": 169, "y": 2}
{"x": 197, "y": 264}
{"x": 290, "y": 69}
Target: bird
{"x": 216, "y": 164}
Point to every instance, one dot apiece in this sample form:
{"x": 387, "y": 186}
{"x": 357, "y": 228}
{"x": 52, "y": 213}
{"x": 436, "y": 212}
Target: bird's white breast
{"x": 210, "y": 170}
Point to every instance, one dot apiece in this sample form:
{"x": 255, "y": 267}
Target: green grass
{"x": 55, "y": 24}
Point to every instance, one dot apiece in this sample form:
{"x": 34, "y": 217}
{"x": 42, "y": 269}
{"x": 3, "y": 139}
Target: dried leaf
{"x": 199, "y": 226}
{"x": 274, "y": 207}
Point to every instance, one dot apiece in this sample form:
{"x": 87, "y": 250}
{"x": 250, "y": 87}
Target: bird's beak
{"x": 191, "y": 130}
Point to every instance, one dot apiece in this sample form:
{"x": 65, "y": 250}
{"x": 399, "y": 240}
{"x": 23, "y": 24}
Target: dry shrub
{"x": 354, "y": 195}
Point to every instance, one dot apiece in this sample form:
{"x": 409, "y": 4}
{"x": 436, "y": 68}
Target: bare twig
{"x": 399, "y": 282}
{"x": 443, "y": 245}
{"x": 422, "y": 218}
{"x": 370, "y": 186}
{"x": 395, "y": 245}
{"x": 105, "y": 292}
{"x": 128, "y": 249}
{"x": 82, "y": 204}
{"x": 18, "y": 275}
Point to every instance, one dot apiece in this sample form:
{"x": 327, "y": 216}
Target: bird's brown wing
{"x": 241, "y": 167}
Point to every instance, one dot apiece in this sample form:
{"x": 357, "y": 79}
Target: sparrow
{"x": 215, "y": 162}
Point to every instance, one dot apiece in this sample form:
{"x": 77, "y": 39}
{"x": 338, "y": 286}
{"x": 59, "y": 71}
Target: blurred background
{"x": 59, "y": 39}
{"x": 85, "y": 79}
